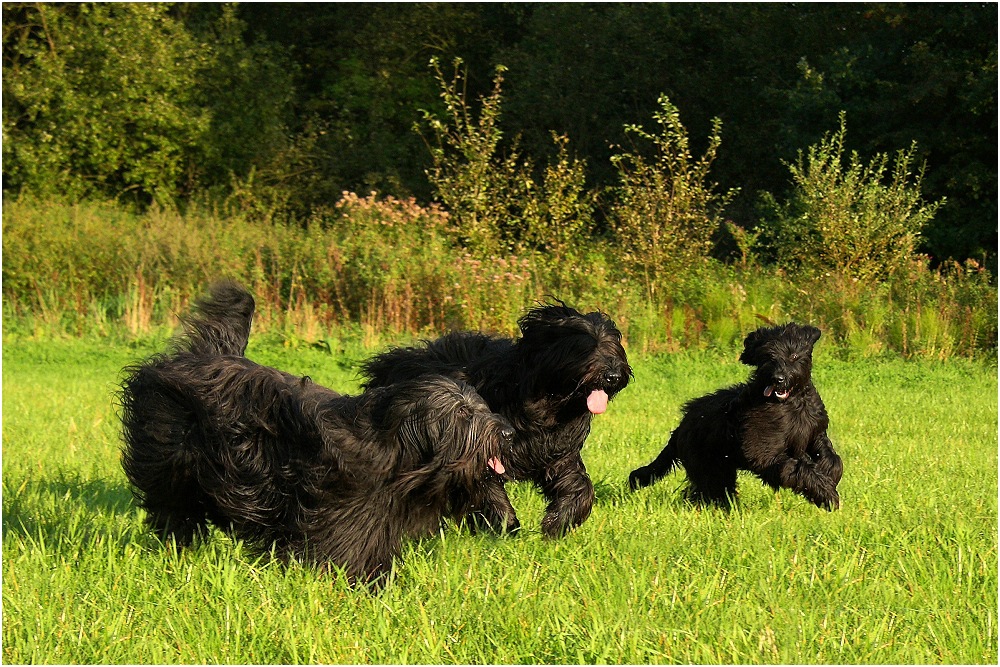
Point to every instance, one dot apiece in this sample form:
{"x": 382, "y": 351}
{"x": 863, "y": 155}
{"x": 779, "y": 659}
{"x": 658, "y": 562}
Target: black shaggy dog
{"x": 774, "y": 426}
{"x": 549, "y": 383}
{"x": 211, "y": 436}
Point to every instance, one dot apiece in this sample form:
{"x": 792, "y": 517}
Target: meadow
{"x": 905, "y": 572}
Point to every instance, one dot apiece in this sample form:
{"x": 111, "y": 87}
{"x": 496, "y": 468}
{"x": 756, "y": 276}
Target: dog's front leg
{"x": 570, "y": 493}
{"x": 492, "y": 510}
{"x": 803, "y": 477}
{"x": 828, "y": 463}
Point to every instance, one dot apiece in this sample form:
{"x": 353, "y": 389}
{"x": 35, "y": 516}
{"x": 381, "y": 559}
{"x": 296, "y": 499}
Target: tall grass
{"x": 905, "y": 572}
{"x": 391, "y": 267}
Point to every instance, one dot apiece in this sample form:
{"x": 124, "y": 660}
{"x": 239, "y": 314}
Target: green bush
{"x": 666, "y": 211}
{"x": 858, "y": 219}
{"x": 559, "y": 214}
{"x": 391, "y": 268}
{"x": 496, "y": 201}
{"x": 63, "y": 128}
{"x": 123, "y": 101}
{"x": 480, "y": 187}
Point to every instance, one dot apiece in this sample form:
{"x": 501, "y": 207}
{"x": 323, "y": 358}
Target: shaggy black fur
{"x": 548, "y": 383}
{"x": 774, "y": 426}
{"x": 211, "y": 436}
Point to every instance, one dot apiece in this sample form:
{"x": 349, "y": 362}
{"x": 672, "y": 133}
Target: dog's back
{"x": 452, "y": 355}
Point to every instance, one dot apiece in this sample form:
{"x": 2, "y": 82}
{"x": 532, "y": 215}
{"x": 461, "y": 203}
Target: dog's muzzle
{"x": 779, "y": 389}
{"x": 597, "y": 399}
{"x": 507, "y": 433}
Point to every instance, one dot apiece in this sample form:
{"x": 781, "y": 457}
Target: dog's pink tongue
{"x": 769, "y": 390}
{"x": 496, "y": 465}
{"x": 597, "y": 402}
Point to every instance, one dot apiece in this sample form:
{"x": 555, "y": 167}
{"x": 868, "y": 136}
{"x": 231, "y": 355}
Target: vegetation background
{"x": 691, "y": 169}
{"x": 286, "y": 106}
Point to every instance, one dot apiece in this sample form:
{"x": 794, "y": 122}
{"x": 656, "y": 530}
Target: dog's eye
{"x": 795, "y": 357}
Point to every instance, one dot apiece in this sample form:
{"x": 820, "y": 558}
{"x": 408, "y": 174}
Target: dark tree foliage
{"x": 140, "y": 101}
{"x": 298, "y": 102}
{"x": 364, "y": 75}
{"x": 777, "y": 75}
{"x": 924, "y": 73}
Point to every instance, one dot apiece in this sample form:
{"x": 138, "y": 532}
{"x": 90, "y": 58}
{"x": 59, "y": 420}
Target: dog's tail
{"x": 660, "y": 466}
{"x": 219, "y": 323}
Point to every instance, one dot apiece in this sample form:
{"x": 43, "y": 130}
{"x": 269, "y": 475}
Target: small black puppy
{"x": 211, "y": 436}
{"x": 774, "y": 426}
{"x": 549, "y": 383}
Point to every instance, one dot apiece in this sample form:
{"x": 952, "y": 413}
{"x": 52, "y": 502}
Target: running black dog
{"x": 549, "y": 383}
{"x": 211, "y": 436}
{"x": 774, "y": 426}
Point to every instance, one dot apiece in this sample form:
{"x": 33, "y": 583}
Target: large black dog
{"x": 549, "y": 383}
{"x": 211, "y": 436}
{"x": 774, "y": 426}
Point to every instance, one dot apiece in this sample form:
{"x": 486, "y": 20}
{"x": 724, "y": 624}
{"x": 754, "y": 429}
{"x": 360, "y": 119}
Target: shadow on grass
{"x": 59, "y": 507}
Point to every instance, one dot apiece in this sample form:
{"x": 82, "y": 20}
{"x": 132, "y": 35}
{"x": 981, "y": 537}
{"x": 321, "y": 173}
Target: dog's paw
{"x": 552, "y": 528}
{"x": 512, "y": 526}
{"x": 639, "y": 478}
{"x": 832, "y": 467}
{"x": 556, "y": 524}
{"x": 829, "y": 502}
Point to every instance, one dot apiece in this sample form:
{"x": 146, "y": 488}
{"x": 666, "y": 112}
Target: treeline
{"x": 271, "y": 111}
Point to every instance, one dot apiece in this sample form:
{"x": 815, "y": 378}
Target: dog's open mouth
{"x": 496, "y": 466}
{"x": 597, "y": 401}
{"x": 780, "y": 394}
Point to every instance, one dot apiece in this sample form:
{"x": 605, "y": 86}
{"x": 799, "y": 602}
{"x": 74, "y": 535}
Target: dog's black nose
{"x": 612, "y": 378}
{"x": 780, "y": 379}
{"x": 507, "y": 433}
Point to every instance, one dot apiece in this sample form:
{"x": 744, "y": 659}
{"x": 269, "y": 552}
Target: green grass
{"x": 905, "y": 572}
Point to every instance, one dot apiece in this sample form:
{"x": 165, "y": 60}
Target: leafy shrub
{"x": 71, "y": 138}
{"x": 496, "y": 201}
{"x": 666, "y": 210}
{"x": 858, "y": 219}
{"x": 559, "y": 215}
{"x": 481, "y": 188}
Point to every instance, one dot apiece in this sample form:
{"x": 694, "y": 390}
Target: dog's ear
{"x": 812, "y": 333}
{"x": 751, "y": 355}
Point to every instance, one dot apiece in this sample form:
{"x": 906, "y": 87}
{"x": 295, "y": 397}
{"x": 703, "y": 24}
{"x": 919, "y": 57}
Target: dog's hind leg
{"x": 716, "y": 487}
{"x": 361, "y": 535}
{"x": 181, "y": 524}
{"x": 660, "y": 466}
{"x": 176, "y": 507}
{"x": 159, "y": 457}
{"x": 570, "y": 493}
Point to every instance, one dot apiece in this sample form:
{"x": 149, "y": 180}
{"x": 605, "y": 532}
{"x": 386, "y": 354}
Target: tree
{"x": 925, "y": 73}
{"x": 124, "y": 100}
{"x": 100, "y": 98}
